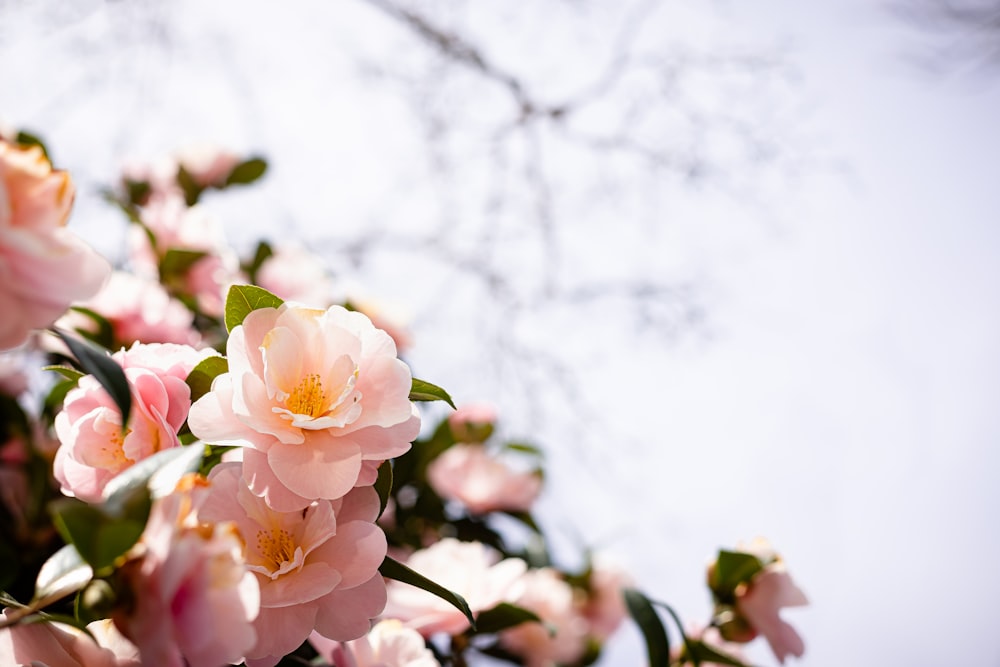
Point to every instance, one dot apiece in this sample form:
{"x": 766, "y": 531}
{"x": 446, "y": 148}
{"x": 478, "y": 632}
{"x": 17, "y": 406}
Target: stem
{"x": 16, "y": 615}
{"x": 692, "y": 656}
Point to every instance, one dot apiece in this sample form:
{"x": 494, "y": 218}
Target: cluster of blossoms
{"x": 244, "y": 480}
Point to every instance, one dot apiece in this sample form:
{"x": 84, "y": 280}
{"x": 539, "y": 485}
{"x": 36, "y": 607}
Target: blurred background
{"x": 733, "y": 265}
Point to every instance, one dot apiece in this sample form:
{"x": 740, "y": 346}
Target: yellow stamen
{"x": 308, "y": 398}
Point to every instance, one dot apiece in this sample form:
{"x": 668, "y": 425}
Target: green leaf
{"x": 105, "y": 334}
{"x": 503, "y": 616}
{"x": 243, "y": 300}
{"x": 525, "y": 448}
{"x": 65, "y": 371}
{"x": 425, "y": 391}
{"x": 177, "y": 261}
{"x": 264, "y": 250}
{"x": 98, "y": 362}
{"x": 383, "y": 485}
{"x": 642, "y": 612}
{"x": 393, "y": 569}
{"x": 29, "y": 139}
{"x": 192, "y": 191}
{"x": 733, "y": 568}
{"x": 247, "y": 172}
{"x": 99, "y": 538}
{"x": 63, "y": 573}
{"x": 201, "y": 376}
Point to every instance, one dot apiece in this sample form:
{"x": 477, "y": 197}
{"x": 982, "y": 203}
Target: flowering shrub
{"x": 168, "y": 505}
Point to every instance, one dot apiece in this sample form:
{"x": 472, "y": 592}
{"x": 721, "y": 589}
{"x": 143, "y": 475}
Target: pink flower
{"x": 605, "y": 607}
{"x": 483, "y": 483}
{"x": 313, "y": 396}
{"x": 296, "y": 274}
{"x": 472, "y": 422}
{"x": 60, "y": 645}
{"x": 562, "y": 636}
{"x": 195, "y": 599}
{"x": 388, "y": 644}
{"x": 94, "y": 447}
{"x": 760, "y": 603}
{"x": 317, "y": 568}
{"x": 139, "y": 310}
{"x": 43, "y": 266}
{"x": 471, "y": 569}
{"x": 208, "y": 165}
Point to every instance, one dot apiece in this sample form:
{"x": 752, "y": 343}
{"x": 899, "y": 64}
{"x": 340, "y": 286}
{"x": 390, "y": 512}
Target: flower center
{"x": 308, "y": 398}
{"x": 114, "y": 449}
{"x": 276, "y": 547}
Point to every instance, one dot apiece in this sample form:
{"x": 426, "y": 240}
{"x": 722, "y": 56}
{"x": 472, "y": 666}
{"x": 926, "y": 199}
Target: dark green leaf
{"x": 642, "y": 612}
{"x": 503, "y": 616}
{"x": 29, "y": 139}
{"x": 393, "y": 569}
{"x": 137, "y": 191}
{"x": 525, "y": 518}
{"x": 383, "y": 485}
{"x": 192, "y": 191}
{"x": 105, "y": 333}
{"x": 201, "y": 376}
{"x": 98, "y": 362}
{"x": 176, "y": 262}
{"x": 243, "y": 300}
{"x": 425, "y": 391}
{"x": 733, "y": 568}
{"x": 63, "y": 573}
{"x": 99, "y": 538}
{"x": 247, "y": 172}
{"x": 264, "y": 250}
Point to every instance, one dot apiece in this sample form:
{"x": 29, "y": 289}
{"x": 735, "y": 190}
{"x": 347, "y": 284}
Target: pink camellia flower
{"x": 195, "y": 598}
{"x": 605, "y": 606}
{"x": 471, "y": 569}
{"x": 207, "y": 164}
{"x": 317, "y": 568}
{"x": 295, "y": 274}
{"x": 760, "y": 603}
{"x": 60, "y": 645}
{"x": 43, "y": 266}
{"x": 482, "y": 482}
{"x": 561, "y": 638}
{"x": 94, "y": 447}
{"x": 388, "y": 644}
{"x": 139, "y": 310}
{"x": 312, "y": 396}
{"x": 472, "y": 422}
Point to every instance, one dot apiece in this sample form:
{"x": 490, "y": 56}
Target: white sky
{"x": 844, "y": 403}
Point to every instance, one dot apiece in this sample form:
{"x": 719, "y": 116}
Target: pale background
{"x": 748, "y": 287}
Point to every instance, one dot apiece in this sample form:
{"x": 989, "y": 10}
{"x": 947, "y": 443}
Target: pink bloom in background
{"x": 317, "y": 568}
{"x": 605, "y": 607}
{"x": 139, "y": 310}
{"x": 295, "y": 274}
{"x": 313, "y": 396}
{"x": 195, "y": 599}
{"x": 482, "y": 482}
{"x": 471, "y": 569}
{"x": 13, "y": 377}
{"x": 760, "y": 603}
{"x": 94, "y": 448}
{"x": 160, "y": 174}
{"x": 387, "y": 317}
{"x": 562, "y": 635}
{"x": 207, "y": 164}
{"x": 60, "y": 645}
{"x": 472, "y": 422}
{"x": 388, "y": 644}
{"x": 43, "y": 266}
